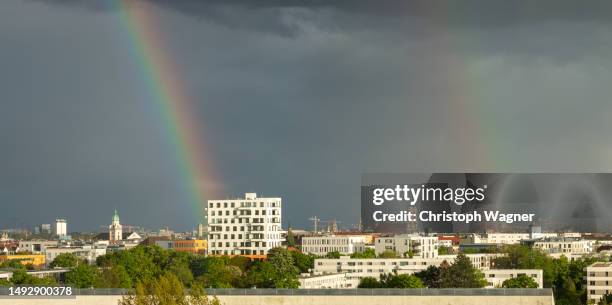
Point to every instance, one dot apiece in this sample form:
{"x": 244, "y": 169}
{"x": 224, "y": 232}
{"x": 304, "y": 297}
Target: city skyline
{"x": 290, "y": 100}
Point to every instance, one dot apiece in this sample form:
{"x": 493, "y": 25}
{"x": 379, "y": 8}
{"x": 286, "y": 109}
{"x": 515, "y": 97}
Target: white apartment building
{"x": 247, "y": 226}
{"x": 88, "y": 253}
{"x": 563, "y": 245}
{"x": 417, "y": 245}
{"x": 374, "y": 267}
{"x": 599, "y": 280}
{"x": 496, "y": 277}
{"x": 327, "y": 281}
{"x": 323, "y": 244}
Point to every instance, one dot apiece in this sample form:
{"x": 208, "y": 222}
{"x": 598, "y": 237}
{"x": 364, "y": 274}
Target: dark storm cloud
{"x": 477, "y": 13}
{"x": 297, "y": 98}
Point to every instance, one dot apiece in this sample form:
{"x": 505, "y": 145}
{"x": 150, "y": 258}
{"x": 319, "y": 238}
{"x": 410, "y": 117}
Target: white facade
{"x": 244, "y": 226}
{"x": 327, "y": 281}
{"x": 36, "y": 246}
{"x": 505, "y": 238}
{"x": 323, "y": 244}
{"x": 5, "y": 275}
{"x": 88, "y": 253}
{"x": 374, "y": 267}
{"x": 564, "y": 245}
{"x": 418, "y": 246}
{"x": 496, "y": 277}
{"x": 599, "y": 280}
{"x": 60, "y": 227}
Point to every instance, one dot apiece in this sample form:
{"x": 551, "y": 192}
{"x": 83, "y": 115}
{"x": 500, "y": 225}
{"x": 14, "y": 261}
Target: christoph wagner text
{"x": 424, "y": 193}
{"x": 429, "y": 216}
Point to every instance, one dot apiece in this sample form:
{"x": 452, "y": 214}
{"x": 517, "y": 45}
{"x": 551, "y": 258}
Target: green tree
{"x": 333, "y": 254}
{"x": 521, "y": 281}
{"x": 21, "y": 277}
{"x": 369, "y": 282}
{"x": 216, "y": 272}
{"x": 606, "y": 299}
{"x": 290, "y": 238}
{"x": 242, "y": 262}
{"x": 304, "y": 262}
{"x": 142, "y": 263}
{"x": 367, "y": 253}
{"x": 442, "y": 250}
{"x": 261, "y": 275}
{"x": 286, "y": 273}
{"x": 167, "y": 290}
{"x": 66, "y": 260}
{"x": 113, "y": 277}
{"x": 388, "y": 254}
{"x": 401, "y": 281}
{"x": 430, "y": 276}
{"x": 12, "y": 264}
{"x": 462, "y": 274}
{"x": 182, "y": 272}
{"x": 82, "y": 276}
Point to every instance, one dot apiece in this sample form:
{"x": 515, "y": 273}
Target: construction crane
{"x": 315, "y": 221}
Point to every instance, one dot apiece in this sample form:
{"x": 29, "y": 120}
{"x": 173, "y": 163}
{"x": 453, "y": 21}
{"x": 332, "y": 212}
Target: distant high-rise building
{"x": 60, "y": 227}
{"x": 115, "y": 231}
{"x": 247, "y": 226}
{"x": 201, "y": 230}
{"x": 45, "y": 228}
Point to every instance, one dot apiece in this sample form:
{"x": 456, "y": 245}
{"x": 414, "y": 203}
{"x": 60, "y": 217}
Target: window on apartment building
{"x": 232, "y": 204}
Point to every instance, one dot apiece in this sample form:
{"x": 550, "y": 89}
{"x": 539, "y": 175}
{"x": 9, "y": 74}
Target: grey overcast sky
{"x": 296, "y": 99}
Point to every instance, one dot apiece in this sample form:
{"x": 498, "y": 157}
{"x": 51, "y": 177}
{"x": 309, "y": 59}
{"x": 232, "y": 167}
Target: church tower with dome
{"x": 115, "y": 232}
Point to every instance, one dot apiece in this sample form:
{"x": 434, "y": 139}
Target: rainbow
{"x": 163, "y": 84}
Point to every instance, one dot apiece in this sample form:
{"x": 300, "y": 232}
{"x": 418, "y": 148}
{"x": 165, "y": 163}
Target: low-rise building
{"x": 195, "y": 246}
{"x": 327, "y": 281}
{"x": 323, "y": 244}
{"x": 563, "y": 245}
{"x": 598, "y": 280}
{"x": 496, "y": 277}
{"x": 505, "y": 238}
{"x": 37, "y": 260}
{"x": 408, "y": 245}
{"x": 88, "y": 253}
{"x": 5, "y": 275}
{"x": 374, "y": 267}
{"x": 36, "y": 246}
